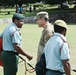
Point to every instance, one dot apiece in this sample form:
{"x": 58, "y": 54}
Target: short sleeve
{"x": 65, "y": 52}
{"x": 16, "y": 37}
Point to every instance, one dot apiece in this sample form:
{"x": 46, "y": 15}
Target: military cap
{"x": 61, "y": 23}
{"x": 41, "y": 15}
{"x": 18, "y": 16}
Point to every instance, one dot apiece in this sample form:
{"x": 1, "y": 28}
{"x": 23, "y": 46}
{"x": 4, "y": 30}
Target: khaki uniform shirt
{"x": 46, "y": 34}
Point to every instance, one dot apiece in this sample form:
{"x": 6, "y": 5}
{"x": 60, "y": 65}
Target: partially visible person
{"x": 12, "y": 45}
{"x": 30, "y": 9}
{"x": 19, "y": 10}
{"x": 57, "y": 51}
{"x": 42, "y": 19}
{"x": 34, "y": 8}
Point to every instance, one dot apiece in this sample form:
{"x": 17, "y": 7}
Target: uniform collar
{"x": 47, "y": 24}
{"x": 13, "y": 24}
{"x": 60, "y": 35}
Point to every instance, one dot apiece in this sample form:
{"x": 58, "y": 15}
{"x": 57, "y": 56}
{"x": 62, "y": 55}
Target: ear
{"x": 64, "y": 32}
{"x": 15, "y": 20}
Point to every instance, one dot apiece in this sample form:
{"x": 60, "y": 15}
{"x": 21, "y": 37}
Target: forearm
{"x": 67, "y": 68}
{"x": 21, "y": 51}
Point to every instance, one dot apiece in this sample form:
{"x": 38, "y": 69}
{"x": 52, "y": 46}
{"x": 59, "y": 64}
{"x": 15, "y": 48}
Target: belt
{"x": 56, "y": 71}
{"x": 12, "y": 52}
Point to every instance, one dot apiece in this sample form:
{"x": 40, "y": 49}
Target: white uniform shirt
{"x": 10, "y": 35}
{"x": 53, "y": 55}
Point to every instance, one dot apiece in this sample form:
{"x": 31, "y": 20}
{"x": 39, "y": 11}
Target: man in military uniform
{"x": 42, "y": 19}
{"x": 12, "y": 45}
{"x": 57, "y": 51}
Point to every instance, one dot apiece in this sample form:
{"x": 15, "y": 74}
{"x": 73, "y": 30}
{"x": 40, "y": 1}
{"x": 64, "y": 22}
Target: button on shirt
{"x": 10, "y": 35}
{"x": 53, "y": 54}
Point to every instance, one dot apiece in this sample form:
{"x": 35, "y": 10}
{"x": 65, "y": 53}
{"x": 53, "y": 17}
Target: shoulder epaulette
{"x": 63, "y": 39}
{"x": 63, "y": 43}
{"x": 14, "y": 31}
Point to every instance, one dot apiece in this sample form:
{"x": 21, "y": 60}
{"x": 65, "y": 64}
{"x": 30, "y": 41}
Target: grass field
{"x": 31, "y": 34}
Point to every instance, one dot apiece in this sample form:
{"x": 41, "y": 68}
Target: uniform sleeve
{"x": 16, "y": 37}
{"x": 15, "y": 34}
{"x": 65, "y": 52}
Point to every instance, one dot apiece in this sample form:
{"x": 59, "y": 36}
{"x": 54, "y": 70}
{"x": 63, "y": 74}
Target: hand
{"x": 30, "y": 57}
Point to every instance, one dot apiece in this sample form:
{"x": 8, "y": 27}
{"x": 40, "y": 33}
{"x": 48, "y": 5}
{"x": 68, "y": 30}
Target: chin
{"x": 64, "y": 34}
{"x": 21, "y": 27}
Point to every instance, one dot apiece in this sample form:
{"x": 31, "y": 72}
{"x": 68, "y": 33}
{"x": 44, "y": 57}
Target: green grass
{"x": 30, "y": 36}
{"x": 51, "y": 9}
{"x": 4, "y": 12}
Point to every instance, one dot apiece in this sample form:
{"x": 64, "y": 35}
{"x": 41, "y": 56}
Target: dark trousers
{"x": 10, "y": 63}
{"x": 50, "y": 72}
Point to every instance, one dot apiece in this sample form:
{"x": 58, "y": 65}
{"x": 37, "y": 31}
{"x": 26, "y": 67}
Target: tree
{"x": 63, "y": 4}
{"x": 11, "y": 3}
{"x": 54, "y": 1}
{"x": 20, "y": 2}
